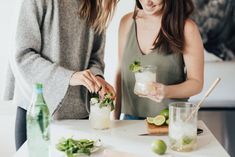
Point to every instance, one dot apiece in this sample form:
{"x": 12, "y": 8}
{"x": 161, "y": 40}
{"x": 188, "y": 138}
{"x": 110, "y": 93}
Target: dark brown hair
{"x": 174, "y": 15}
{"x": 97, "y": 12}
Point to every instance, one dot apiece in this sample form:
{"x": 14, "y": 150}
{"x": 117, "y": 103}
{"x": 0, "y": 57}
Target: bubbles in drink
{"x": 143, "y": 85}
{"x": 100, "y": 117}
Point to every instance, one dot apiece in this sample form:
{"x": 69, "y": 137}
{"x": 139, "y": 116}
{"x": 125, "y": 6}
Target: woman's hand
{"x": 92, "y": 83}
{"x": 87, "y": 79}
{"x": 106, "y": 87}
{"x": 159, "y": 92}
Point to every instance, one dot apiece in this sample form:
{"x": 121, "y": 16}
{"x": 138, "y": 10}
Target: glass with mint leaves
{"x": 100, "y": 109}
{"x": 144, "y": 77}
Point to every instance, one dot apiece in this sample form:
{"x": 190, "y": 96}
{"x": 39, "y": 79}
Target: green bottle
{"x": 38, "y": 122}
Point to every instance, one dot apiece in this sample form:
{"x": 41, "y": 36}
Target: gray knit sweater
{"x": 52, "y": 42}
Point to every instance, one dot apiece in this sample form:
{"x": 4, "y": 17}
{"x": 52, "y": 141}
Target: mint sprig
{"x": 135, "y": 66}
{"x": 73, "y": 147}
{"x": 106, "y": 101}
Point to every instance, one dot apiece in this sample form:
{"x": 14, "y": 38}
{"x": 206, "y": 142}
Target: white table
{"x": 124, "y": 136}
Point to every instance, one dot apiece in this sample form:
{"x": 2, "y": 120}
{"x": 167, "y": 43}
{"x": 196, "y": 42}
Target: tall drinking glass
{"x": 144, "y": 79}
{"x": 182, "y": 130}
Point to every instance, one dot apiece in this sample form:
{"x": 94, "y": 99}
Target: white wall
{"x": 111, "y": 51}
{"x": 8, "y": 16}
{"x": 8, "y": 19}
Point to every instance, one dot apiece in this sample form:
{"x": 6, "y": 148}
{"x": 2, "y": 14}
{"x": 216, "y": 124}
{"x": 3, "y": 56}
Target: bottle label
{"x": 39, "y": 90}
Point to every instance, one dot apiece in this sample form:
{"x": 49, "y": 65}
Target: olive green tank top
{"x": 170, "y": 71}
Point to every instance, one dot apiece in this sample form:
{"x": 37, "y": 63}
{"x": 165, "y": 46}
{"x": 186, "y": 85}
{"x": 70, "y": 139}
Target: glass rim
{"x": 148, "y": 67}
{"x": 182, "y": 104}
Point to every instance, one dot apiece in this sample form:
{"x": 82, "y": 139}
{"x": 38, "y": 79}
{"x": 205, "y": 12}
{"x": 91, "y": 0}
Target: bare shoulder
{"x": 190, "y": 28}
{"x": 126, "y": 22}
{"x": 192, "y": 36}
{"x": 124, "y": 27}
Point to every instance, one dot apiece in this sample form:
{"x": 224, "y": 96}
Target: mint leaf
{"x": 135, "y": 66}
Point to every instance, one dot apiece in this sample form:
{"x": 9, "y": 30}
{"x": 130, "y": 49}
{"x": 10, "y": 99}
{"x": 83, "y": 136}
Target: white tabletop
{"x": 124, "y": 137}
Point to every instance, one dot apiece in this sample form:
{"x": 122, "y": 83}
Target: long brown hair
{"x": 174, "y": 15}
{"x": 98, "y": 13}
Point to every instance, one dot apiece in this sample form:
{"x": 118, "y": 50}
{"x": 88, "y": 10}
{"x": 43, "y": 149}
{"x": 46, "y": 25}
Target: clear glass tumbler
{"x": 100, "y": 116}
{"x": 182, "y": 126}
{"x": 144, "y": 79}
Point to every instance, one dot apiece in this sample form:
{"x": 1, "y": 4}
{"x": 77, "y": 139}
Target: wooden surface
{"x": 158, "y": 130}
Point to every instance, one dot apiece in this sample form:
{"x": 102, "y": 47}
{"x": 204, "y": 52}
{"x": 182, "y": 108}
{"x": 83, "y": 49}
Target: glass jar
{"x": 144, "y": 79}
{"x": 100, "y": 116}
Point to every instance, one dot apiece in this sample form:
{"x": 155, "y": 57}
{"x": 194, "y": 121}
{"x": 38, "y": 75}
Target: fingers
{"x": 92, "y": 83}
{"x": 157, "y": 94}
{"x": 111, "y": 90}
{"x": 87, "y": 79}
{"x": 106, "y": 87}
{"x": 88, "y": 83}
{"x": 98, "y": 84}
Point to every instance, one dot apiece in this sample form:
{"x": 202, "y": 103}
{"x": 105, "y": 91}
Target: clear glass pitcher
{"x": 182, "y": 126}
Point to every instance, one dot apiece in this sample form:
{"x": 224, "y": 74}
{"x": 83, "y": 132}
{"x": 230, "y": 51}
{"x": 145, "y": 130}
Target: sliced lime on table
{"x": 150, "y": 120}
{"x": 159, "y": 120}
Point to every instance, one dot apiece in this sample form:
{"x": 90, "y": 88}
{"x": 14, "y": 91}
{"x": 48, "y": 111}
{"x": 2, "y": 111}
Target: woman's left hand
{"x": 106, "y": 87}
{"x": 159, "y": 92}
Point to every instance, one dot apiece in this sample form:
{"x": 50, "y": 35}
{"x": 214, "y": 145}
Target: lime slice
{"x": 167, "y": 121}
{"x": 159, "y": 147}
{"x": 186, "y": 140}
{"x": 165, "y": 113}
{"x": 94, "y": 101}
{"x": 159, "y": 120}
{"x": 150, "y": 120}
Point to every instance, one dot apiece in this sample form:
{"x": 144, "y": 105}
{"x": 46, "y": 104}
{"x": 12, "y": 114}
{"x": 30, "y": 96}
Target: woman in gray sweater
{"x": 59, "y": 43}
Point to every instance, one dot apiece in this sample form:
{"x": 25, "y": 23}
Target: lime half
{"x": 150, "y": 120}
{"x": 159, "y": 120}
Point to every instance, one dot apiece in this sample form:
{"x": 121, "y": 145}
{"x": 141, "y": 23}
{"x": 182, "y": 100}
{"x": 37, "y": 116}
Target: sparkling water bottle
{"x": 38, "y": 122}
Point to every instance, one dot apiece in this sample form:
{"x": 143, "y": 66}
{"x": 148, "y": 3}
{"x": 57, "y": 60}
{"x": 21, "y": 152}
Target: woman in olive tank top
{"x": 159, "y": 33}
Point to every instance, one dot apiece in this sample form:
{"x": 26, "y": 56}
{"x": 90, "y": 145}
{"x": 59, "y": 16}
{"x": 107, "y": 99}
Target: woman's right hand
{"x": 87, "y": 79}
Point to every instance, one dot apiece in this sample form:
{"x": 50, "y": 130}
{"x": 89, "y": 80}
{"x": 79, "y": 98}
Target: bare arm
{"x": 193, "y": 55}
{"x": 194, "y": 61}
{"x": 122, "y": 35}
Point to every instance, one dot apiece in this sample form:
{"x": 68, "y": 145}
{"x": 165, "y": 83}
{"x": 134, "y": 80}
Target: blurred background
{"x": 216, "y": 21}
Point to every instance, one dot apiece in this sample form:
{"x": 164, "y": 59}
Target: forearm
{"x": 183, "y": 90}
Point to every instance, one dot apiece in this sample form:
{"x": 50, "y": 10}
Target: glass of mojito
{"x": 100, "y": 110}
{"x": 143, "y": 80}
{"x": 182, "y": 129}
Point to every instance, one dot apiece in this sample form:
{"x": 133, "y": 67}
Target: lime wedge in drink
{"x": 159, "y": 120}
{"x": 150, "y": 120}
{"x": 94, "y": 101}
{"x": 186, "y": 140}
